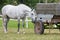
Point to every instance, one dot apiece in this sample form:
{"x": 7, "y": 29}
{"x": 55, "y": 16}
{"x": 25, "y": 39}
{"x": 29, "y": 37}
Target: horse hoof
{"x": 5, "y": 32}
{"x": 17, "y": 32}
{"x": 23, "y": 32}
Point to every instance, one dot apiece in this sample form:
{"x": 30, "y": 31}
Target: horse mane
{"x": 27, "y": 7}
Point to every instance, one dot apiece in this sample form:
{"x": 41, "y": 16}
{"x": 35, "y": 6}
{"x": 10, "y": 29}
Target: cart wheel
{"x": 39, "y": 27}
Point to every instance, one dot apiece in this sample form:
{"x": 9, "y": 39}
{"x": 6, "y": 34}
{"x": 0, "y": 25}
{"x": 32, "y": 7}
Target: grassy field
{"x": 14, "y": 24}
{"x": 29, "y": 35}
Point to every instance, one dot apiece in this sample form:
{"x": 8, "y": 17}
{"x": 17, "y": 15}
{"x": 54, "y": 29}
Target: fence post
{"x": 26, "y": 22}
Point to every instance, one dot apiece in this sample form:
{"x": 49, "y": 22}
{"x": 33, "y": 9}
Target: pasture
{"x": 29, "y": 35}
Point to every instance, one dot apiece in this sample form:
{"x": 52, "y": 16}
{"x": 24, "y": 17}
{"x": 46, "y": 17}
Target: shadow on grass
{"x": 15, "y": 33}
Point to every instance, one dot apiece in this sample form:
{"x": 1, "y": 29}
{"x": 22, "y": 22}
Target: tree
{"x": 30, "y": 3}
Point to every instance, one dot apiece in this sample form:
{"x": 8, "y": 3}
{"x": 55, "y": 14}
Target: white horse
{"x": 16, "y": 12}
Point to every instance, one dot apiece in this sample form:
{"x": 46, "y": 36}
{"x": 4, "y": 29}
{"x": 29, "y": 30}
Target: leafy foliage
{"x": 30, "y": 3}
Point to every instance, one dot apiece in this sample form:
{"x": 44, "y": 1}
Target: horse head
{"x": 33, "y": 15}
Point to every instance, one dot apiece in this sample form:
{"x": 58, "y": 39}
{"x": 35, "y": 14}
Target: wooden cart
{"x": 47, "y": 12}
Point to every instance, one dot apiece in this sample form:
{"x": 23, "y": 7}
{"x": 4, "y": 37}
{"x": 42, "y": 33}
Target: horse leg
{"x": 5, "y": 21}
{"x": 23, "y": 24}
{"x": 18, "y": 25}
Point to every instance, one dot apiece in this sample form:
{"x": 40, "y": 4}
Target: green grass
{"x": 14, "y": 24}
{"x": 29, "y": 35}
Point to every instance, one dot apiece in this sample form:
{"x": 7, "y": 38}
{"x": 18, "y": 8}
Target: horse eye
{"x": 32, "y": 14}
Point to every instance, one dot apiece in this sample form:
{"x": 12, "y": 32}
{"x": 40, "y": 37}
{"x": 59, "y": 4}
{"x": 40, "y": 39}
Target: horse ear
{"x": 33, "y": 10}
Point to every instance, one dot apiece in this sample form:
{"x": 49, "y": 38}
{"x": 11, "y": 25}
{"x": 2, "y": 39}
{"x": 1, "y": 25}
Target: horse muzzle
{"x": 33, "y": 21}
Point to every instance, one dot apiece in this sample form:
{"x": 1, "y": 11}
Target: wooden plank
{"x": 49, "y": 8}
